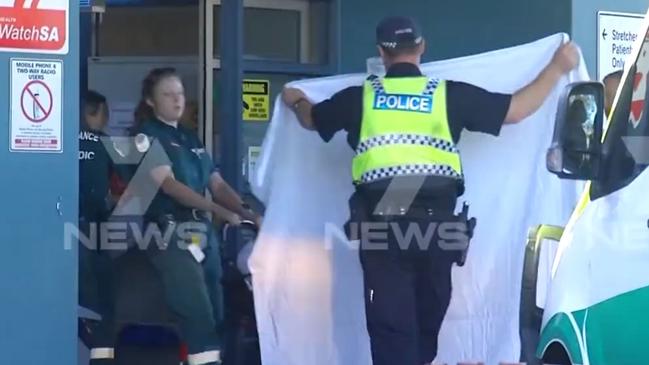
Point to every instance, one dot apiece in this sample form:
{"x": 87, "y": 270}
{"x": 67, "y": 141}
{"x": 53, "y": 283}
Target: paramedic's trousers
{"x": 193, "y": 292}
{"x": 407, "y": 293}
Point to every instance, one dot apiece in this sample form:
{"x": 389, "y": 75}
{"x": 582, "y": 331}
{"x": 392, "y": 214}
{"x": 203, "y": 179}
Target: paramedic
{"x": 95, "y": 274}
{"x": 188, "y": 263}
{"x": 404, "y": 129}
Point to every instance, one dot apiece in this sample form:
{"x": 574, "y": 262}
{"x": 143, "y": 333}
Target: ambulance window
{"x": 626, "y": 153}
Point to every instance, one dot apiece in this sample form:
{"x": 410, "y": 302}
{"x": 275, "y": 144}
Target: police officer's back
{"x": 408, "y": 174}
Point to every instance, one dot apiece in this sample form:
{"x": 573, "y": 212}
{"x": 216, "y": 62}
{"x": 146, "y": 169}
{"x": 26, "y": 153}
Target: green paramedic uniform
{"x": 192, "y": 288}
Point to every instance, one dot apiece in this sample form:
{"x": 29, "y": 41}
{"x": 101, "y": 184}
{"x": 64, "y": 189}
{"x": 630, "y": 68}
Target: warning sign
{"x": 34, "y": 26}
{"x": 256, "y": 100}
{"x": 36, "y": 105}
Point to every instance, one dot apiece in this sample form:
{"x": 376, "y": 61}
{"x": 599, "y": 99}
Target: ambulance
{"x": 585, "y": 286}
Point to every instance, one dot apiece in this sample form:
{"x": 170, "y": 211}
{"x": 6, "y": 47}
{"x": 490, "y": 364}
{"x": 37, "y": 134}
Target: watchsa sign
{"x": 34, "y": 26}
{"x": 36, "y": 105}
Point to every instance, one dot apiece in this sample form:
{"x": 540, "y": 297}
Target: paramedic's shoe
{"x": 102, "y": 356}
{"x": 212, "y": 357}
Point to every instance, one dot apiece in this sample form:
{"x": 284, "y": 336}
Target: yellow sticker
{"x": 196, "y": 239}
{"x": 256, "y": 100}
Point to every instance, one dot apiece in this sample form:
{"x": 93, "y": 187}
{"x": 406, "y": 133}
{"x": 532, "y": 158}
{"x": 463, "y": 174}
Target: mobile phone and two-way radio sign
{"x": 36, "y": 101}
{"x": 36, "y": 105}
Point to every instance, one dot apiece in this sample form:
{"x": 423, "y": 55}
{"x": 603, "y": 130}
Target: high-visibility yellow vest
{"x": 405, "y": 131}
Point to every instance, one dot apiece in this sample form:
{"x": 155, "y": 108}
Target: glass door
{"x": 283, "y": 40}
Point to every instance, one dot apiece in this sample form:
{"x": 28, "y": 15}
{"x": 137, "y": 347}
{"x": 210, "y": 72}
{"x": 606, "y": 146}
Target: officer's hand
{"x": 291, "y": 95}
{"x": 566, "y": 58}
{"x": 259, "y": 220}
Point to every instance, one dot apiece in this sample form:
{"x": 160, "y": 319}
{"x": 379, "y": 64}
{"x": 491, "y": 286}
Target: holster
{"x": 470, "y": 225}
{"x": 358, "y": 213}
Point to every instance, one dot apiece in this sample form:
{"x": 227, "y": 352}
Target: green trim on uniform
{"x": 405, "y": 131}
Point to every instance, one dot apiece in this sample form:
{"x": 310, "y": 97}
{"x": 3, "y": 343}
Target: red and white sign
{"x": 35, "y": 26}
{"x": 36, "y": 105}
{"x": 640, "y": 86}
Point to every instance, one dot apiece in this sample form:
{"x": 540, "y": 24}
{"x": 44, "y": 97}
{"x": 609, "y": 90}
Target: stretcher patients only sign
{"x": 34, "y": 26}
{"x": 616, "y": 34}
{"x": 36, "y": 105}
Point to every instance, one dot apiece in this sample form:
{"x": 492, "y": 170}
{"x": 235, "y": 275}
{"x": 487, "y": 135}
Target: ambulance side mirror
{"x": 576, "y": 148}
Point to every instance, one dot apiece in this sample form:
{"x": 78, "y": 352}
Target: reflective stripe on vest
{"x": 405, "y": 131}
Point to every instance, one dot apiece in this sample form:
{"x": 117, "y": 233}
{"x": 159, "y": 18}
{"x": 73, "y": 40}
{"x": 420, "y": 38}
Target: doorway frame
{"x": 209, "y": 65}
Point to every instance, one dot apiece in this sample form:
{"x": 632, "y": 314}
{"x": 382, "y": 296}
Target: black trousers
{"x": 97, "y": 292}
{"x": 407, "y": 292}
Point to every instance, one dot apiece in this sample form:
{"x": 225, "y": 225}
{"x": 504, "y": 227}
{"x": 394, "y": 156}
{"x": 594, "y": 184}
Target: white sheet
{"x": 309, "y": 298}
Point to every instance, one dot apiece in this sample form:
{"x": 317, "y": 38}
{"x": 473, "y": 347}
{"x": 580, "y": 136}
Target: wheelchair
{"x": 242, "y": 340}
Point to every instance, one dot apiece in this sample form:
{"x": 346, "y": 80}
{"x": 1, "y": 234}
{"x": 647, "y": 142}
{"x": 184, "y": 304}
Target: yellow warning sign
{"x": 256, "y": 100}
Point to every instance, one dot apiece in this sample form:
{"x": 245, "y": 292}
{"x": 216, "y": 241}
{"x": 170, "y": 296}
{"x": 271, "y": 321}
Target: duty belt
{"x": 195, "y": 214}
{"x": 180, "y": 215}
{"x": 396, "y": 213}
{"x": 416, "y": 212}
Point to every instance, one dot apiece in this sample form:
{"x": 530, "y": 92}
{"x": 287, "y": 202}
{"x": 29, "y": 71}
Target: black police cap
{"x": 396, "y": 32}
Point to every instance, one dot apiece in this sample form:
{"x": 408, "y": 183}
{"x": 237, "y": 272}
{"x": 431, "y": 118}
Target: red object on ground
{"x": 183, "y": 352}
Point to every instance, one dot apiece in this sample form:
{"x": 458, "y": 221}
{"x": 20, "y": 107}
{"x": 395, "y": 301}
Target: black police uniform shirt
{"x": 95, "y": 170}
{"x": 184, "y": 153}
{"x": 469, "y": 107}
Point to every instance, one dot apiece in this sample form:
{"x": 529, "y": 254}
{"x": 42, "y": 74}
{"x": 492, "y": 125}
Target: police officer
{"x": 188, "y": 263}
{"x": 407, "y": 172}
{"x": 95, "y": 273}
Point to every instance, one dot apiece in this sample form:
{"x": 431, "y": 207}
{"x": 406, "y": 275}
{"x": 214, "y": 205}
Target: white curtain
{"x": 307, "y": 279}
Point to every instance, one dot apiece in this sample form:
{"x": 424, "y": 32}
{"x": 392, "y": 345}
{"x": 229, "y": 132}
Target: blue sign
{"x": 409, "y": 103}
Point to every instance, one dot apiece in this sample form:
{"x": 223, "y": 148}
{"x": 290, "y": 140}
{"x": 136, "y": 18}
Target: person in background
{"x": 96, "y": 167}
{"x": 611, "y": 83}
{"x": 180, "y": 170}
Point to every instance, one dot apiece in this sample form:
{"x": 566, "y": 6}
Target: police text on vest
{"x": 410, "y": 103}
